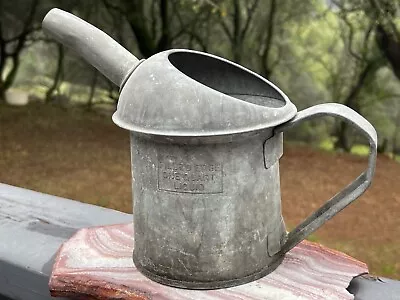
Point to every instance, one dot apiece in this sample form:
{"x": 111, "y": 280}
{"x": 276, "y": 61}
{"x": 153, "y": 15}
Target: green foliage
{"x": 357, "y": 149}
{"x": 361, "y": 150}
{"x": 327, "y": 144}
{"x": 388, "y": 270}
{"x": 313, "y": 238}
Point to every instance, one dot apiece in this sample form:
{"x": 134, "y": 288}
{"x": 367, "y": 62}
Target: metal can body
{"x": 205, "y": 215}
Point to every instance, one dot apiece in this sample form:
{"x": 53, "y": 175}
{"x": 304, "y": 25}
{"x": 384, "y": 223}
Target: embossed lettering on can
{"x": 193, "y": 175}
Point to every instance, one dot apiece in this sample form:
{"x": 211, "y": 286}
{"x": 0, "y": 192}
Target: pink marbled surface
{"x": 96, "y": 263}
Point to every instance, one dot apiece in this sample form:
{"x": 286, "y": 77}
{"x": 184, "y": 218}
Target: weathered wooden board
{"x": 32, "y": 228}
{"x": 96, "y": 263}
{"x": 367, "y": 287}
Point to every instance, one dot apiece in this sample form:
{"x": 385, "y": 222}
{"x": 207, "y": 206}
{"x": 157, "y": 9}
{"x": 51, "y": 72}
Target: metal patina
{"x": 206, "y": 138}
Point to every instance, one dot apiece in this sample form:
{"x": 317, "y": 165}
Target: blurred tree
{"x": 93, "y": 12}
{"x": 157, "y": 24}
{"x": 315, "y": 50}
{"x": 385, "y": 12}
{"x": 13, "y": 39}
{"x": 57, "y": 75}
{"x": 20, "y": 24}
{"x": 92, "y": 88}
{"x": 235, "y": 18}
{"x": 258, "y": 32}
{"x": 358, "y": 37}
{"x": 266, "y": 39}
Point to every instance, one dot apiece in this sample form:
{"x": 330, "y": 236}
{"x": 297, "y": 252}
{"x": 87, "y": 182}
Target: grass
{"x": 326, "y": 145}
{"x": 389, "y": 268}
{"x": 357, "y": 149}
{"x": 313, "y": 238}
{"x": 361, "y": 150}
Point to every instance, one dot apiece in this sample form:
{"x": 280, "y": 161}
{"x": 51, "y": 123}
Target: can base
{"x": 207, "y": 285}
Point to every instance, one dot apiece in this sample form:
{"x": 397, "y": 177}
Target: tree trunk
{"x": 266, "y": 68}
{"x": 2, "y": 93}
{"x": 390, "y": 47}
{"x": 57, "y": 76}
{"x": 8, "y": 82}
{"x": 2, "y": 66}
{"x": 164, "y": 43}
{"x": 343, "y": 141}
{"x": 382, "y": 148}
{"x": 237, "y": 53}
{"x": 395, "y": 133}
{"x": 237, "y": 41}
{"x": 134, "y": 12}
{"x": 92, "y": 89}
{"x": 112, "y": 92}
{"x": 14, "y": 55}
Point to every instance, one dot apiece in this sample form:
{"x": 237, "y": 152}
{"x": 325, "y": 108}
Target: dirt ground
{"x": 84, "y": 156}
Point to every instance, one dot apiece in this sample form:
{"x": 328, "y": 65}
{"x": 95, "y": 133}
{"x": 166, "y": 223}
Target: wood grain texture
{"x": 96, "y": 263}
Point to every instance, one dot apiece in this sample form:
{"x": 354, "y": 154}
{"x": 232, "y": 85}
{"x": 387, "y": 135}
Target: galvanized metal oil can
{"x": 206, "y": 139}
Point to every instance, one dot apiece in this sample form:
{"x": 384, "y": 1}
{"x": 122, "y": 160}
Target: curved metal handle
{"x": 352, "y": 191}
{"x": 98, "y": 48}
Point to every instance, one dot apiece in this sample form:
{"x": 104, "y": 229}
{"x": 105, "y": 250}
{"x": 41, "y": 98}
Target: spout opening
{"x": 228, "y": 78}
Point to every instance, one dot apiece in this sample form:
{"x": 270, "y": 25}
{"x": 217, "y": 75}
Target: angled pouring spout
{"x": 96, "y": 47}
